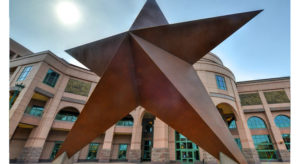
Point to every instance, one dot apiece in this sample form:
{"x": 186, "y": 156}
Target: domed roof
{"x": 211, "y": 57}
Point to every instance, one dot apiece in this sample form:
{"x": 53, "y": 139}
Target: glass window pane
{"x": 221, "y": 82}
{"x": 256, "y": 123}
{"x": 122, "y": 151}
{"x": 93, "y": 148}
{"x": 55, "y": 149}
{"x": 232, "y": 125}
{"x": 186, "y": 150}
{"x": 51, "y": 78}
{"x": 282, "y": 121}
{"x": 24, "y": 73}
{"x": 264, "y": 147}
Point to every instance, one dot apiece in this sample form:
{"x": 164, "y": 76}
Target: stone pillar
{"x": 17, "y": 110}
{"x": 248, "y": 147}
{"x": 13, "y": 77}
{"x": 209, "y": 159}
{"x": 37, "y": 138}
{"x": 134, "y": 154}
{"x": 172, "y": 149}
{"x": 104, "y": 155}
{"x": 75, "y": 157}
{"x": 283, "y": 153}
{"x": 160, "y": 150}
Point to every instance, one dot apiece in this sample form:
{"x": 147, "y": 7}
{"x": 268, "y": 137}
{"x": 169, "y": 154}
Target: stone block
{"x": 251, "y": 156}
{"x": 104, "y": 155}
{"x": 30, "y": 155}
{"x": 134, "y": 156}
{"x": 283, "y": 155}
{"x": 160, "y": 155}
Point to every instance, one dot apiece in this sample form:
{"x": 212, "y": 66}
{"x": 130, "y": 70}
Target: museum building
{"x": 47, "y": 94}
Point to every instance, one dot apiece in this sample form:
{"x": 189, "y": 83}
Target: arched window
{"x": 282, "y": 121}
{"x": 67, "y": 114}
{"x": 256, "y": 123}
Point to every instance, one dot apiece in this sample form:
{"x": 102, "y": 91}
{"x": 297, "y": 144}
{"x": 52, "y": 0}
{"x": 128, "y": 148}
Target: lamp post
{"x": 18, "y": 87}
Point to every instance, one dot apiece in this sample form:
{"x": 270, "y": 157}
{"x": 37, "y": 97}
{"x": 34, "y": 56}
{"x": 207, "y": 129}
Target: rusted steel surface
{"x": 151, "y": 65}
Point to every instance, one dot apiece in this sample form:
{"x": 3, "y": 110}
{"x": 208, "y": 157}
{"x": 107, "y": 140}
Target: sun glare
{"x": 67, "y": 12}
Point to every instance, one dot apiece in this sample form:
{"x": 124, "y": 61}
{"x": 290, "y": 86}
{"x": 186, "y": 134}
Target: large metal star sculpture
{"x": 151, "y": 65}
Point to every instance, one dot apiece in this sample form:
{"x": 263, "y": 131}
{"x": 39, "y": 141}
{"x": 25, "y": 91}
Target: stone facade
{"x": 30, "y": 155}
{"x": 251, "y": 156}
{"x": 160, "y": 155}
{"x": 134, "y": 156}
{"x": 33, "y": 137}
{"x": 104, "y": 155}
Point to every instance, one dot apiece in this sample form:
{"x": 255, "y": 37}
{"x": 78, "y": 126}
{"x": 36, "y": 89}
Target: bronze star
{"x": 151, "y": 65}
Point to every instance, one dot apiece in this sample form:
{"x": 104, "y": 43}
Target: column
{"x": 135, "y": 147}
{"x": 104, "y": 155}
{"x": 172, "y": 149}
{"x": 37, "y": 138}
{"x": 17, "y": 110}
{"x": 160, "y": 150}
{"x": 208, "y": 158}
{"x": 134, "y": 154}
{"x": 248, "y": 147}
{"x": 283, "y": 153}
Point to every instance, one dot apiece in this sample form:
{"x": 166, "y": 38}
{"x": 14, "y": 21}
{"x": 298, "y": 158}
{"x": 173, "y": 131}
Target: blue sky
{"x": 260, "y": 49}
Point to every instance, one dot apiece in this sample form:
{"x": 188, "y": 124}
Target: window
{"x": 186, "y": 150}
{"x": 232, "y": 125}
{"x": 221, "y": 82}
{"x": 256, "y": 123}
{"x": 93, "y": 148}
{"x": 282, "y": 121}
{"x": 286, "y": 139}
{"x": 238, "y": 142}
{"x": 67, "y": 116}
{"x": 24, "y": 73}
{"x": 51, "y": 78}
{"x": 35, "y": 110}
{"x": 122, "y": 151}
{"x": 125, "y": 123}
{"x": 264, "y": 147}
{"x": 55, "y": 149}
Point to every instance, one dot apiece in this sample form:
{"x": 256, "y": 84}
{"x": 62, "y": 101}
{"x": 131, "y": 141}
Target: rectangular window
{"x": 221, "y": 82}
{"x": 24, "y": 73}
{"x": 35, "y": 110}
{"x": 55, "y": 149}
{"x": 264, "y": 147}
{"x": 122, "y": 151}
{"x": 125, "y": 123}
{"x": 286, "y": 139}
{"x": 51, "y": 78}
{"x": 93, "y": 149}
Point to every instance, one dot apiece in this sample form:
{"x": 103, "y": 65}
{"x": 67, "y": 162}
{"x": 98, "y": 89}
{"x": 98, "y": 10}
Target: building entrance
{"x": 147, "y": 137}
{"x": 186, "y": 150}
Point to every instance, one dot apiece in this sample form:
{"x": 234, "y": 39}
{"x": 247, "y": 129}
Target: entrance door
{"x": 147, "y": 137}
{"x": 147, "y": 150}
{"x": 186, "y": 150}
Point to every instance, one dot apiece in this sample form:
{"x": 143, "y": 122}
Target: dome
{"x": 211, "y": 57}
